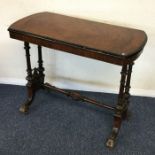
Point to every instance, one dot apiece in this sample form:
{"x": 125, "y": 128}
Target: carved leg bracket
{"x": 34, "y": 77}
{"x": 121, "y": 111}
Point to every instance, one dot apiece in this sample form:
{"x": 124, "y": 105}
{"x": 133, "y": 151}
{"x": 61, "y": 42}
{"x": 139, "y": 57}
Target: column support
{"x": 122, "y": 103}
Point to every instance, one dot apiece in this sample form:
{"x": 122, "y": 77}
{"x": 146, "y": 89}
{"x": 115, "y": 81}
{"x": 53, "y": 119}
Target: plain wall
{"x": 75, "y": 72}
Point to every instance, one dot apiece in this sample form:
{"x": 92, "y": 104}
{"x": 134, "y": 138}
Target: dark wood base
{"x": 35, "y": 78}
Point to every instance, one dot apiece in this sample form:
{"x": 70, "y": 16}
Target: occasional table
{"x": 104, "y": 42}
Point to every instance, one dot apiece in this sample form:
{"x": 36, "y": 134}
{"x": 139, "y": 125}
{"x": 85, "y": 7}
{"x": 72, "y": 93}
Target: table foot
{"x": 25, "y": 107}
{"x": 112, "y": 139}
{"x": 115, "y": 130}
{"x": 110, "y": 143}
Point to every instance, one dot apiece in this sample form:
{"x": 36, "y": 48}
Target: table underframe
{"x": 35, "y": 81}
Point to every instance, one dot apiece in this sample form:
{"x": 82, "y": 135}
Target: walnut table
{"x": 104, "y": 42}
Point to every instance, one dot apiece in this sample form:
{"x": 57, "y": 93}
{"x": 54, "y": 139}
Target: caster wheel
{"x": 24, "y": 109}
{"x": 110, "y": 143}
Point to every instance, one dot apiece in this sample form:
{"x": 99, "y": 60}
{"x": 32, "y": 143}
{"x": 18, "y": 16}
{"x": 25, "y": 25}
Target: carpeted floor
{"x": 57, "y": 125}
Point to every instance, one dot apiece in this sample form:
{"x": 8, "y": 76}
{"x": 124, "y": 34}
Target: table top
{"x": 95, "y": 36}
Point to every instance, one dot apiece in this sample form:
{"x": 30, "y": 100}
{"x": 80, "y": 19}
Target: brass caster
{"x": 24, "y": 108}
{"x": 110, "y": 143}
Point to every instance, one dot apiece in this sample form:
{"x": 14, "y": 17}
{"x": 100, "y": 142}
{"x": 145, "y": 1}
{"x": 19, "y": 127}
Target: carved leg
{"x": 122, "y": 105}
{"x": 30, "y": 90}
{"x": 40, "y": 68}
{"x": 35, "y": 79}
{"x": 126, "y": 113}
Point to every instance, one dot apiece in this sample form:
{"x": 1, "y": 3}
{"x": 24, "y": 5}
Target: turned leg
{"x": 34, "y": 77}
{"x": 40, "y": 66}
{"x": 30, "y": 90}
{"x": 122, "y": 104}
{"x": 127, "y": 94}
